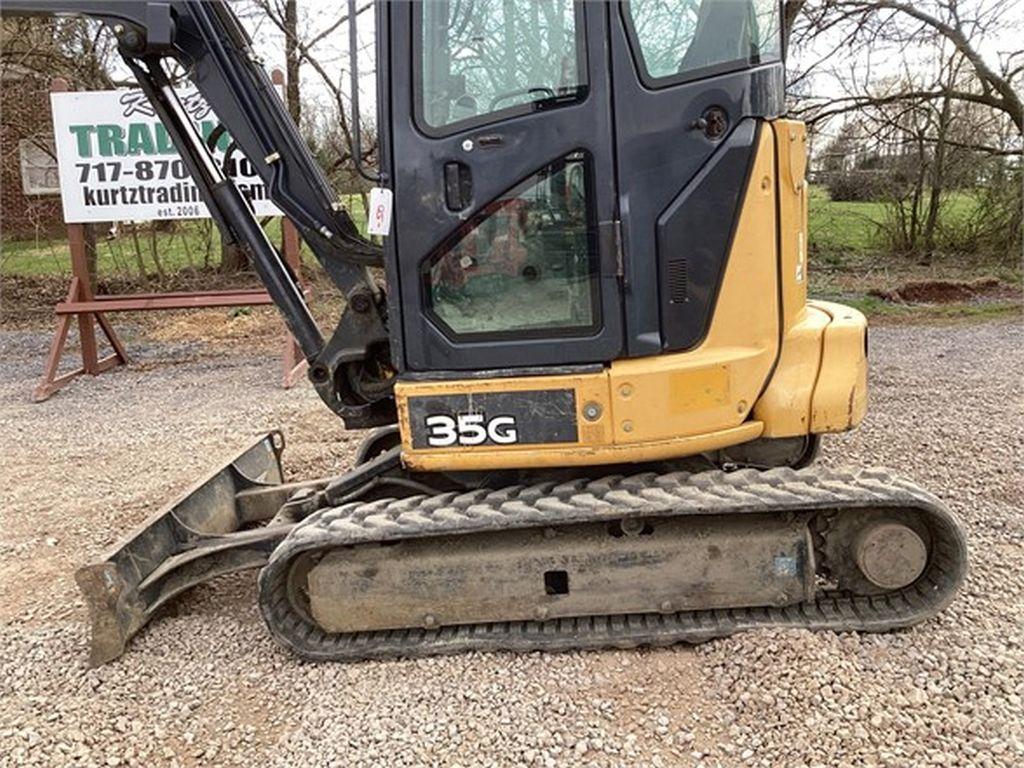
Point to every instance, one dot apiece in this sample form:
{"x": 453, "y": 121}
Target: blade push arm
{"x": 351, "y": 370}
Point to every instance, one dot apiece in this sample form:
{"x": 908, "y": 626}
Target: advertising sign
{"x": 116, "y": 160}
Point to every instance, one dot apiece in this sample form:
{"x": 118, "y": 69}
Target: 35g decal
{"x": 470, "y": 429}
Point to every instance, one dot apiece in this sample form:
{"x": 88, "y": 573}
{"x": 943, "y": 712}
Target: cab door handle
{"x": 458, "y": 186}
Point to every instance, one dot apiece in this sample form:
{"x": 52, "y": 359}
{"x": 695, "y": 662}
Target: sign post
{"x": 80, "y": 291}
{"x": 115, "y": 163}
{"x": 293, "y": 361}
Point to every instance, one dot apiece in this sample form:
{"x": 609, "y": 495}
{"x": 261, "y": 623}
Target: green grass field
{"x": 840, "y": 234}
{"x": 838, "y": 229}
{"x": 186, "y": 244}
{"x": 841, "y": 231}
{"x": 848, "y": 256}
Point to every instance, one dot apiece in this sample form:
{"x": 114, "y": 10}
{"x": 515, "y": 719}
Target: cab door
{"x": 504, "y": 245}
{"x": 694, "y": 81}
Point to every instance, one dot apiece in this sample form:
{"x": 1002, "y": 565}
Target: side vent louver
{"x": 677, "y": 281}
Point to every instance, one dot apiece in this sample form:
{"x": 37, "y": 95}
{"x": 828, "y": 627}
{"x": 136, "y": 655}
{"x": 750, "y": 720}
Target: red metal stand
{"x": 89, "y": 309}
{"x": 79, "y": 293}
{"x": 82, "y": 304}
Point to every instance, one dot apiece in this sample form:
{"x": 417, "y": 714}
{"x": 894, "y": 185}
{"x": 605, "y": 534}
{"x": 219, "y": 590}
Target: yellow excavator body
{"x": 766, "y": 368}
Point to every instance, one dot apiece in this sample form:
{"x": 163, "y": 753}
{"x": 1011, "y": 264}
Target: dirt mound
{"x": 948, "y": 291}
{"x": 252, "y": 324}
{"x": 31, "y": 296}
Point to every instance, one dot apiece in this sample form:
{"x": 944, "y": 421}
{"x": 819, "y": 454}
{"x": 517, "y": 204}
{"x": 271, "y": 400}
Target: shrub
{"x": 857, "y": 186}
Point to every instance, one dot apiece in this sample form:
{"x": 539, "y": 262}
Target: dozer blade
{"x": 197, "y": 537}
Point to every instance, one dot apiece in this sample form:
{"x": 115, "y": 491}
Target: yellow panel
{"x": 791, "y": 146}
{"x": 840, "y": 397}
{"x": 699, "y": 389}
{"x": 723, "y": 376}
{"x": 785, "y": 406}
{"x": 684, "y": 394}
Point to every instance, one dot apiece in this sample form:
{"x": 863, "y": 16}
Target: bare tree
{"x": 929, "y": 97}
{"x": 952, "y": 27}
{"x": 293, "y": 62}
{"x": 307, "y": 44}
{"x": 73, "y": 48}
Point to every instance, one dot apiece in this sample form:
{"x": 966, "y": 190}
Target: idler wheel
{"x": 890, "y": 555}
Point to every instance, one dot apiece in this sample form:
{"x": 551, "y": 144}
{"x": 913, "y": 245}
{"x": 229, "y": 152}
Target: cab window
{"x": 482, "y": 60}
{"x": 684, "y": 39}
{"x": 526, "y": 265}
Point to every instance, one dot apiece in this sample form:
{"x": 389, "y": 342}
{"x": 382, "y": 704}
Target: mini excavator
{"x": 593, "y": 382}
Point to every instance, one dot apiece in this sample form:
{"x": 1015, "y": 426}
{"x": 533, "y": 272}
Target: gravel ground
{"x": 204, "y": 684}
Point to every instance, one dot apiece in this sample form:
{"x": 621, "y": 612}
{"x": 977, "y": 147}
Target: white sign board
{"x": 117, "y": 162}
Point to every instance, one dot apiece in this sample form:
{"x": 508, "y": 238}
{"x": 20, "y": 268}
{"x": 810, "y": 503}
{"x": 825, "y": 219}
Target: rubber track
{"x": 707, "y": 493}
